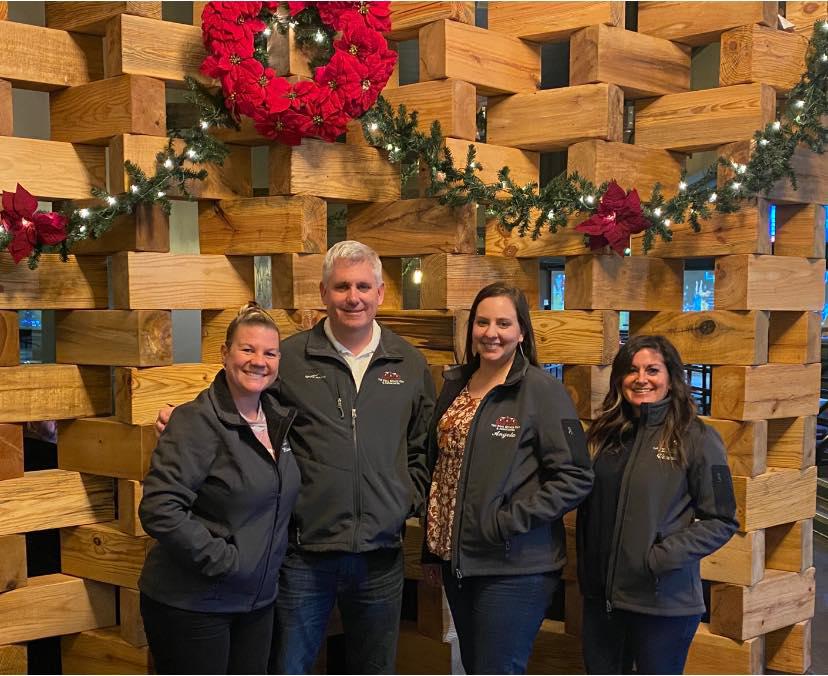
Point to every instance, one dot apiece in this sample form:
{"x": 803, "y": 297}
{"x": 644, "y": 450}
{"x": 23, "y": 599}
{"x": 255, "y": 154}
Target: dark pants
{"x": 187, "y": 642}
{"x": 616, "y": 642}
{"x": 368, "y": 589}
{"x": 497, "y": 618}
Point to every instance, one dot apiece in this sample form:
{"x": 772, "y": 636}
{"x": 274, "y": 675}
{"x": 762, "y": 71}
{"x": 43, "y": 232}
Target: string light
{"x": 590, "y": 199}
{"x": 417, "y": 277}
{"x": 667, "y": 222}
{"x": 168, "y": 163}
{"x": 777, "y": 125}
{"x": 84, "y": 213}
{"x": 823, "y": 58}
{"x": 763, "y": 141}
{"x": 267, "y": 32}
{"x": 657, "y": 211}
{"x": 319, "y": 37}
{"x": 551, "y": 214}
{"x": 682, "y": 186}
{"x": 373, "y": 126}
{"x": 799, "y": 103}
{"x": 712, "y": 198}
{"x": 161, "y": 193}
{"x": 192, "y": 154}
{"x": 82, "y": 231}
{"x": 204, "y": 124}
{"x": 134, "y": 188}
{"x": 111, "y": 201}
{"x": 627, "y": 251}
{"x": 736, "y": 185}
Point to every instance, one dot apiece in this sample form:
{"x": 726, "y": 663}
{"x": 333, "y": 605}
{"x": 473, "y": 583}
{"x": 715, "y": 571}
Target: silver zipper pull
{"x": 339, "y": 406}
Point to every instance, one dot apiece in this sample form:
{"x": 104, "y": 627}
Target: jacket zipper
{"x": 357, "y": 492}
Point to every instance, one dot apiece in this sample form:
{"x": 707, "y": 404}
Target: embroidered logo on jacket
{"x": 505, "y": 427}
{"x": 314, "y": 375}
{"x": 391, "y": 378}
{"x": 666, "y": 454}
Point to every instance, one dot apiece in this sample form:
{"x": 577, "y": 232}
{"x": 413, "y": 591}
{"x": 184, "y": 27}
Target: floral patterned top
{"x": 452, "y": 431}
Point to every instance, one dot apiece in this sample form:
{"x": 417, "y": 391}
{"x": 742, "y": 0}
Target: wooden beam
{"x": 6, "y": 109}
{"x": 11, "y": 451}
{"x": 789, "y": 649}
{"x": 746, "y": 443}
{"x": 573, "y": 603}
{"x": 642, "y": 65}
{"x": 129, "y": 498}
{"x": 752, "y": 282}
{"x": 103, "y": 651}
{"x": 263, "y": 225}
{"x": 53, "y": 392}
{"x": 611, "y": 282}
{"x": 413, "y": 549}
{"x": 698, "y": 23}
{"x": 433, "y": 614}
{"x": 800, "y": 230}
{"x": 102, "y": 552}
{"x": 114, "y": 337}
{"x": 92, "y": 17}
{"x": 51, "y": 169}
{"x": 408, "y": 17}
{"x": 77, "y": 283}
{"x": 141, "y": 393}
{"x": 551, "y": 21}
{"x": 587, "y": 386}
{"x": 190, "y": 281}
{"x": 540, "y": 121}
{"x": 576, "y": 336}
{"x": 790, "y": 546}
{"x": 792, "y": 442}
{"x": 286, "y": 57}
{"x": 392, "y": 278}
{"x": 703, "y": 119}
{"x": 740, "y": 561}
{"x": 433, "y": 332}
{"x": 794, "y": 337}
{"x": 146, "y": 229}
{"x": 135, "y": 45}
{"x": 803, "y": 15}
{"x": 567, "y": 241}
{"x": 754, "y": 53}
{"x": 12, "y": 562}
{"x": 452, "y": 281}
{"x": 555, "y": 651}
{"x": 129, "y": 617}
{"x": 449, "y": 49}
{"x": 754, "y": 392}
{"x": 778, "y": 496}
{"x": 14, "y": 658}
{"x": 214, "y": 325}
{"x": 417, "y": 654}
{"x": 295, "y": 280}
{"x": 414, "y": 227}
{"x": 9, "y": 339}
{"x": 779, "y": 600}
{"x": 46, "y": 59}
{"x": 54, "y": 498}
{"x": 711, "y": 337}
{"x": 51, "y": 605}
{"x": 712, "y": 654}
{"x": 106, "y": 446}
{"x": 336, "y": 171}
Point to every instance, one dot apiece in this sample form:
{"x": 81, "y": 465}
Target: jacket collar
{"x": 654, "y": 414}
{"x": 318, "y": 345}
{"x": 520, "y": 366}
{"x": 225, "y": 407}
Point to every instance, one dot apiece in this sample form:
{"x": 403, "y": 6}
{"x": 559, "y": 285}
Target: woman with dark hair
{"x": 663, "y": 499}
{"x": 509, "y": 459}
{"x": 218, "y": 498}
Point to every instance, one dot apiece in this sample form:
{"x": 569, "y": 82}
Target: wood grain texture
{"x": 711, "y": 337}
{"x": 408, "y": 17}
{"x": 11, "y": 451}
{"x": 779, "y": 600}
{"x": 129, "y": 498}
{"x": 704, "y": 119}
{"x": 778, "y": 496}
{"x": 103, "y": 651}
{"x": 413, "y": 549}
{"x": 78, "y": 283}
{"x": 800, "y": 230}
{"x": 263, "y": 225}
{"x": 756, "y": 392}
{"x": 433, "y": 332}
{"x": 792, "y": 442}
{"x": 551, "y": 21}
{"x": 500, "y": 241}
{"x": 51, "y": 605}
{"x": 433, "y": 614}
{"x": 106, "y": 446}
{"x": 335, "y": 171}
{"x": 189, "y": 281}
{"x": 285, "y": 56}
{"x": 524, "y": 165}
{"x": 53, "y": 392}
{"x": 51, "y": 169}
{"x": 392, "y": 279}
{"x": 746, "y": 443}
{"x": 414, "y": 227}
{"x": 742, "y": 232}
{"x": 452, "y": 281}
{"x": 129, "y": 617}
{"x": 587, "y": 385}
{"x": 92, "y": 17}
{"x": 146, "y": 229}
{"x": 611, "y": 282}
{"x": 452, "y": 102}
{"x": 114, "y": 337}
{"x": 757, "y": 53}
{"x": 14, "y": 658}
{"x": 712, "y": 654}
{"x": 794, "y": 337}
{"x": 141, "y": 393}
{"x": 493, "y": 62}
{"x": 102, "y": 552}
{"x": 54, "y": 498}
{"x": 91, "y": 113}
{"x": 231, "y": 180}
{"x": 642, "y": 65}
{"x": 576, "y": 336}
{"x": 789, "y": 649}
{"x": 12, "y": 562}
{"x": 755, "y": 282}
{"x": 739, "y": 561}
{"x": 295, "y": 280}
{"x": 9, "y": 339}
{"x": 790, "y": 546}
{"x": 543, "y": 121}
{"x": 6, "y": 109}
{"x": 699, "y": 23}
{"x": 46, "y": 59}
{"x": 803, "y": 15}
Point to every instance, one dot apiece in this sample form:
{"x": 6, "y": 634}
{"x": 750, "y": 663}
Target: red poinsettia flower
{"x": 357, "y": 40}
{"x": 340, "y": 78}
{"x": 377, "y": 15}
{"x": 27, "y": 225}
{"x": 331, "y": 12}
{"x": 299, "y": 92}
{"x": 230, "y": 22}
{"x": 618, "y": 216}
{"x": 276, "y": 95}
{"x": 327, "y": 117}
{"x": 226, "y": 57}
{"x": 288, "y": 127}
{"x": 295, "y": 7}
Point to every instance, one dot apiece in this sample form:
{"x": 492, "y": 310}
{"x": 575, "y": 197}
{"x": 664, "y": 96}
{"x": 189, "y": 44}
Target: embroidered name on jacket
{"x": 666, "y": 454}
{"x": 391, "y": 378}
{"x": 505, "y": 427}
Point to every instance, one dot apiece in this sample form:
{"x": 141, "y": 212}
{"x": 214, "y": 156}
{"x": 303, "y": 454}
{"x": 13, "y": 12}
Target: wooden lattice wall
{"x": 106, "y": 66}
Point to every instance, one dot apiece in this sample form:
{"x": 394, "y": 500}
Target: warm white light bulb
{"x": 682, "y": 185}
{"x": 205, "y": 124}
{"x": 373, "y": 126}
{"x": 84, "y": 213}
{"x": 657, "y": 211}
{"x": 417, "y": 277}
{"x": 319, "y": 37}
{"x": 712, "y": 198}
{"x": 267, "y": 32}
{"x": 799, "y": 103}
{"x": 192, "y": 154}
{"x": 763, "y": 141}
{"x": 736, "y": 185}
{"x": 112, "y": 201}
{"x": 590, "y": 199}
{"x": 168, "y": 163}
{"x": 667, "y": 222}
{"x": 777, "y": 125}
{"x": 134, "y": 188}
{"x": 627, "y": 251}
{"x": 550, "y": 214}
{"x": 161, "y": 193}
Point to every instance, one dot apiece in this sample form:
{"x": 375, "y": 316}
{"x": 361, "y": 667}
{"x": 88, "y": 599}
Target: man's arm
{"x": 418, "y": 431}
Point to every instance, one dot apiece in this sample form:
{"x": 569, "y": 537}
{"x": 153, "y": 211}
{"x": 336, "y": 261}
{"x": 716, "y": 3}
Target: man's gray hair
{"x": 353, "y": 252}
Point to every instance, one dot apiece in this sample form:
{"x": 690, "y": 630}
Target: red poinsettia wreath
{"x": 342, "y": 89}
{"x": 618, "y": 216}
{"x": 26, "y": 227}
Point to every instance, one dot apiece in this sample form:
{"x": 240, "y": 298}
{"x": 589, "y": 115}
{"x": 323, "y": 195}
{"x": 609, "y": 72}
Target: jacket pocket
{"x": 489, "y": 526}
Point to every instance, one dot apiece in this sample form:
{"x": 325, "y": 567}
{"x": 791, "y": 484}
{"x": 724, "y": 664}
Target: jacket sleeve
{"x": 418, "y": 439}
{"x": 565, "y": 467}
{"x": 180, "y": 463}
{"x": 711, "y": 491}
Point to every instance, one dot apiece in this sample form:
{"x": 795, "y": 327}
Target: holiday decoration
{"x": 617, "y": 217}
{"x": 26, "y": 227}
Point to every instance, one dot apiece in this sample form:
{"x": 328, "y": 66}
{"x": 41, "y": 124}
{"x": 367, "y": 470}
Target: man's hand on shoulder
{"x": 163, "y": 418}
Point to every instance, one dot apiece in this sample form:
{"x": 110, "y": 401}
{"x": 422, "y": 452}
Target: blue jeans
{"x": 368, "y": 589}
{"x": 615, "y": 642}
{"x": 497, "y": 618}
